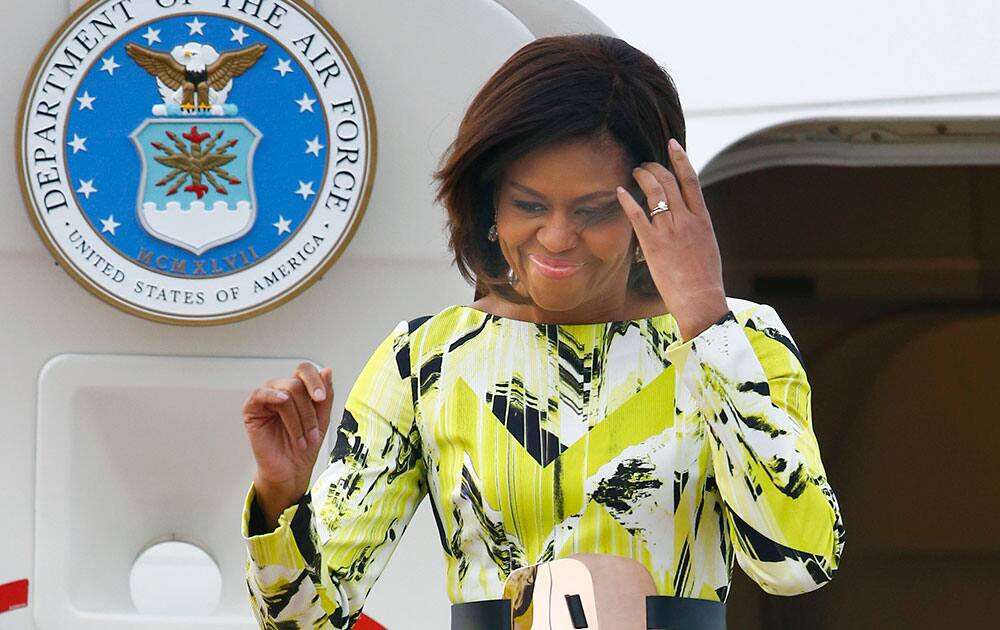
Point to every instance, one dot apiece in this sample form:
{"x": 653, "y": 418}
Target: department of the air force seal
{"x": 196, "y": 161}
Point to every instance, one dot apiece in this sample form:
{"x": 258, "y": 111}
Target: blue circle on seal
{"x": 196, "y": 193}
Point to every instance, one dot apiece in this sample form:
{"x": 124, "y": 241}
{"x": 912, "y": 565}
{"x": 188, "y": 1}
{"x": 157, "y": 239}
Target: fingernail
{"x": 302, "y": 443}
{"x": 675, "y": 145}
{"x": 319, "y": 394}
{"x": 282, "y": 396}
{"x": 314, "y": 436}
{"x": 620, "y": 189}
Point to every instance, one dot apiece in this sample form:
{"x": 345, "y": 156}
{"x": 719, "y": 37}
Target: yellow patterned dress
{"x": 536, "y": 441}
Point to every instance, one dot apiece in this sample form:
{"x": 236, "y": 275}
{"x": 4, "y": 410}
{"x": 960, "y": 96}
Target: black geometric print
{"x": 523, "y": 422}
{"x": 632, "y": 482}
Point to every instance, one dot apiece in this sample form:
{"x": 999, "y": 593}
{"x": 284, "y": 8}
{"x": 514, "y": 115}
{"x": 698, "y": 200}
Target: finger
{"x": 257, "y": 402}
{"x": 656, "y": 191}
{"x": 265, "y": 396}
{"x": 309, "y": 375}
{"x": 649, "y": 184}
{"x": 635, "y": 213}
{"x": 323, "y": 408}
{"x": 292, "y": 410}
{"x": 290, "y": 419}
{"x": 687, "y": 177}
{"x": 307, "y": 414}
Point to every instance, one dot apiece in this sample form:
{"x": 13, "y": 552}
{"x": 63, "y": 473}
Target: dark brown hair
{"x": 554, "y": 89}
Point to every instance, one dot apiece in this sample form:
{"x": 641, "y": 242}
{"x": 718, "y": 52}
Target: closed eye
{"x": 604, "y": 211}
{"x": 529, "y": 207}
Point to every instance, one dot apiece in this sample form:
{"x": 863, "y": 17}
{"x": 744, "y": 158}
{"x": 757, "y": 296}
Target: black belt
{"x": 662, "y": 612}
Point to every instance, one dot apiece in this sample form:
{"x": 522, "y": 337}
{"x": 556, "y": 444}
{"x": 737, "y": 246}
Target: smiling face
{"x": 563, "y": 231}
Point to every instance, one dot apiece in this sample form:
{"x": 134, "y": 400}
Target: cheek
{"x": 514, "y": 231}
{"x": 611, "y": 245}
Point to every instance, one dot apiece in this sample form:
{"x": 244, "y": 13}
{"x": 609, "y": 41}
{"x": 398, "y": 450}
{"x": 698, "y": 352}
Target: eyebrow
{"x": 600, "y": 193}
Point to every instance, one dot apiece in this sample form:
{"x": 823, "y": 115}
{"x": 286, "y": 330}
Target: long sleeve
{"x": 317, "y": 567}
{"x": 745, "y": 377}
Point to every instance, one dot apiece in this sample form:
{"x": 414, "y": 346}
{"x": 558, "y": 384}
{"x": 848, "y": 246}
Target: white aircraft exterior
{"x": 111, "y": 419}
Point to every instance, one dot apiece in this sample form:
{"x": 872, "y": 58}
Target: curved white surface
{"x": 135, "y": 450}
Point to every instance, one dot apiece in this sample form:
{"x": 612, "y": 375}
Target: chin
{"x": 553, "y": 303}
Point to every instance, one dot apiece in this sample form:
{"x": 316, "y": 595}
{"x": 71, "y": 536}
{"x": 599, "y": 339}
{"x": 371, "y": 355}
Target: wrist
{"x": 273, "y": 500}
{"x": 273, "y": 492}
{"x": 695, "y": 321}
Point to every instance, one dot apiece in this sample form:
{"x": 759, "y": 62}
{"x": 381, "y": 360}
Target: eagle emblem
{"x": 195, "y": 76}
{"x": 211, "y": 160}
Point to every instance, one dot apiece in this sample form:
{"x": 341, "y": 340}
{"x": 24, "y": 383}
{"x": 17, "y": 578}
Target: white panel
{"x": 22, "y": 33}
{"x": 134, "y": 450}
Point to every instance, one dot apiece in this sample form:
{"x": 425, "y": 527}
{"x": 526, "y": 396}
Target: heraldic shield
{"x": 197, "y": 180}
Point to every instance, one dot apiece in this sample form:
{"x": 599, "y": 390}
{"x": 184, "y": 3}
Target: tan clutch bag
{"x": 585, "y": 590}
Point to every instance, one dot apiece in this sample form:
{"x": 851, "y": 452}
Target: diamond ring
{"x": 660, "y": 207}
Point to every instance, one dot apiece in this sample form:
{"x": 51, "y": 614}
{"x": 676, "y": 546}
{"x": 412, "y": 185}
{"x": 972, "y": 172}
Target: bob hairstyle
{"x": 552, "y": 90}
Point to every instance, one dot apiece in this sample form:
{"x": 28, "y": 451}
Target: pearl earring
{"x": 492, "y": 234}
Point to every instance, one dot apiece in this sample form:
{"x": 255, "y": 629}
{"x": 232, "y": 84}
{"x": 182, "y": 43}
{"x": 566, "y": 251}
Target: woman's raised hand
{"x": 286, "y": 421}
{"x": 680, "y": 246}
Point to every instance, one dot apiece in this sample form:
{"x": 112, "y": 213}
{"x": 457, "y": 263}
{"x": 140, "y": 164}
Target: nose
{"x": 558, "y": 234}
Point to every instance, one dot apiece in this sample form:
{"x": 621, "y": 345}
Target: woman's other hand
{"x": 286, "y": 420}
{"x": 679, "y": 245}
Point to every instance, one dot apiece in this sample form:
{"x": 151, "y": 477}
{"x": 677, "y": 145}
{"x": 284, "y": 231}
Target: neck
{"x": 623, "y": 306}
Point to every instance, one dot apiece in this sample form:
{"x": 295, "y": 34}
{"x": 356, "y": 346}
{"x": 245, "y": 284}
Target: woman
{"x": 602, "y": 394}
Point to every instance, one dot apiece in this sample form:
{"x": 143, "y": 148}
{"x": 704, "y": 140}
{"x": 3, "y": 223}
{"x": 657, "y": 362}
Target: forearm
{"x": 745, "y": 380}
{"x": 752, "y": 392}
{"x": 282, "y": 571}
{"x": 315, "y": 570}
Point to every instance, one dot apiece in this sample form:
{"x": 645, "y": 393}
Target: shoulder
{"x": 442, "y": 326}
{"x": 418, "y": 325}
{"x": 434, "y": 333}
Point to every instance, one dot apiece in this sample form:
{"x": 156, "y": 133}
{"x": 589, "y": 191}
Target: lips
{"x": 554, "y": 267}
